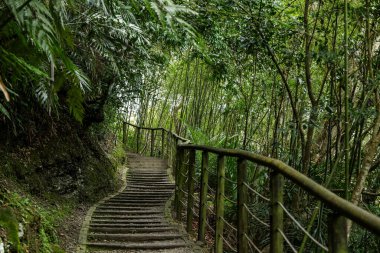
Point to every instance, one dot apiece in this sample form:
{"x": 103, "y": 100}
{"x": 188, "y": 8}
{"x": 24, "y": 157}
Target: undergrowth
{"x": 27, "y": 225}
{"x": 118, "y": 155}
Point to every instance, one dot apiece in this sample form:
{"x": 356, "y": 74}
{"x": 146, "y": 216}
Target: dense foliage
{"x": 271, "y": 78}
{"x": 79, "y": 54}
{"x": 295, "y": 80}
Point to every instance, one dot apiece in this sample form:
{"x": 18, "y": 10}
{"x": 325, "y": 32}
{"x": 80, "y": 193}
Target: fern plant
{"x": 79, "y": 50}
{"x": 9, "y": 223}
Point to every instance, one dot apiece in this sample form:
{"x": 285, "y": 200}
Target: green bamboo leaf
{"x": 4, "y": 111}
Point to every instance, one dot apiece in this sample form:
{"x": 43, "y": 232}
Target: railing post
{"x": 190, "y": 191}
{"x": 138, "y": 140}
{"x": 169, "y": 147}
{"x": 277, "y": 213}
{"x": 127, "y": 134}
{"x": 242, "y": 211}
{"x": 219, "y": 206}
{"x": 179, "y": 182}
{"x": 124, "y": 133}
{"x": 203, "y": 198}
{"x": 151, "y": 142}
{"x": 163, "y": 143}
{"x": 337, "y": 233}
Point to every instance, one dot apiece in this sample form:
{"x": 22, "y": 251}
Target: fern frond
{"x": 4, "y": 111}
{"x": 18, "y": 64}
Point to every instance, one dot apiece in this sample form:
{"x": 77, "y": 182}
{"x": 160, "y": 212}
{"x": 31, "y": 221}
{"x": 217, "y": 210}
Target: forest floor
{"x": 69, "y": 229}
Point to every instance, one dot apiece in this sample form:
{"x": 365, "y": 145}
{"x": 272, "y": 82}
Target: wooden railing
{"x": 180, "y": 152}
{"x": 150, "y": 141}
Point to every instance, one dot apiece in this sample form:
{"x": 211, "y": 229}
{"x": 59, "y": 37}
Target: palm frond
{"x": 18, "y": 64}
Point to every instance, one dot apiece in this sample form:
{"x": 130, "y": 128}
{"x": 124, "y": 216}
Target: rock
{"x": 66, "y": 163}
{"x": 2, "y": 249}
{"x": 20, "y": 230}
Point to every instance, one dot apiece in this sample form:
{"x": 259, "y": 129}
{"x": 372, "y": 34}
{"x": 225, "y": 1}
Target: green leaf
{"x": 4, "y": 111}
{"x": 18, "y": 62}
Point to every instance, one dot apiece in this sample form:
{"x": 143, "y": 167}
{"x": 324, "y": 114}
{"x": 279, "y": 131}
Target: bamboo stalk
{"x": 220, "y": 205}
{"x": 242, "y": 211}
{"x": 277, "y": 214}
{"x": 203, "y": 198}
{"x": 190, "y": 191}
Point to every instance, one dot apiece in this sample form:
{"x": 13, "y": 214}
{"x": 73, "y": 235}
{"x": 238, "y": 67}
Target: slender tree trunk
{"x": 370, "y": 151}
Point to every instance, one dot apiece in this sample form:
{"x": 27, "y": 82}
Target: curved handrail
{"x": 346, "y": 208}
{"x": 162, "y": 129}
{"x": 336, "y": 203}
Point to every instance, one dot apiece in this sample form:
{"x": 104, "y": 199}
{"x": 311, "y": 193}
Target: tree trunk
{"x": 369, "y": 156}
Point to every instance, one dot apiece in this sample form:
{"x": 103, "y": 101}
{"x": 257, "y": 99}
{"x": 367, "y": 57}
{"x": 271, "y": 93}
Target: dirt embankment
{"x": 49, "y": 178}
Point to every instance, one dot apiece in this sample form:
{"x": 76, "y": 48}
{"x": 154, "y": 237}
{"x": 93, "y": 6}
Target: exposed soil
{"x": 68, "y": 231}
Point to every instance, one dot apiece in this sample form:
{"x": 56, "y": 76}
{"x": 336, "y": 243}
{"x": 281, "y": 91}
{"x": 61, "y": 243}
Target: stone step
{"x": 123, "y": 199}
{"x": 127, "y": 203}
{"x": 146, "y": 191}
{"x": 137, "y": 175}
{"x": 128, "y": 221}
{"x": 143, "y": 199}
{"x": 147, "y": 168}
{"x": 138, "y": 246}
{"x": 151, "y": 181}
{"x": 140, "y": 210}
{"x": 127, "y": 206}
{"x": 120, "y": 208}
{"x": 135, "y": 229}
{"x": 123, "y": 218}
{"x": 150, "y": 184}
{"x": 148, "y": 176}
{"x": 160, "y": 187}
{"x": 130, "y": 183}
{"x": 139, "y": 197}
{"x": 146, "y": 196}
{"x": 135, "y": 203}
{"x": 135, "y": 237}
{"x": 127, "y": 212}
{"x": 135, "y": 226}
{"x": 113, "y": 202}
{"x": 149, "y": 208}
{"x": 134, "y": 220}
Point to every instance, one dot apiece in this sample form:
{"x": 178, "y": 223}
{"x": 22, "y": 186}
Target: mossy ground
{"x": 35, "y": 220}
{"x": 47, "y": 183}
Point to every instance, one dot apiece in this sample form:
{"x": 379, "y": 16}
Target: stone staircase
{"x": 134, "y": 219}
